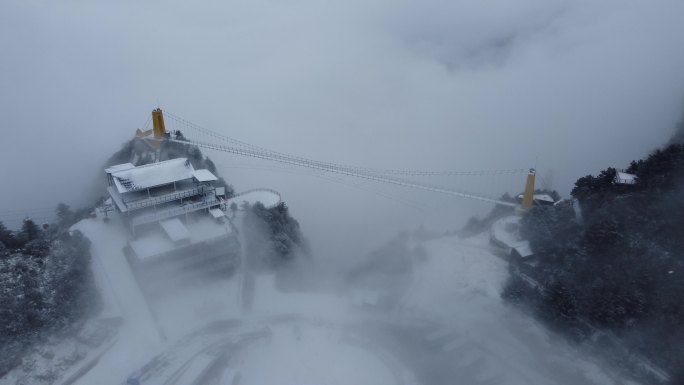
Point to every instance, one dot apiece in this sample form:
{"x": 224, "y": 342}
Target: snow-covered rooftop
{"x": 156, "y": 243}
{"x": 539, "y": 198}
{"x": 175, "y": 229}
{"x": 204, "y": 175}
{"x": 217, "y": 213}
{"x": 151, "y": 175}
{"x": 523, "y": 249}
{"x": 625, "y": 178}
{"x": 543, "y": 197}
{"x": 119, "y": 167}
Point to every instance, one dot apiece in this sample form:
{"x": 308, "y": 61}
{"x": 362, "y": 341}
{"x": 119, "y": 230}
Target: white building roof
{"x": 204, "y": 175}
{"x": 625, "y": 178}
{"x": 175, "y": 229}
{"x": 539, "y": 197}
{"x": 119, "y": 167}
{"x": 217, "y": 213}
{"x": 151, "y": 175}
{"x": 523, "y": 249}
{"x": 544, "y": 198}
{"x": 155, "y": 244}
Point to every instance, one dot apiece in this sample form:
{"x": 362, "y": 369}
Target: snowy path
{"x": 245, "y": 293}
{"x": 139, "y": 338}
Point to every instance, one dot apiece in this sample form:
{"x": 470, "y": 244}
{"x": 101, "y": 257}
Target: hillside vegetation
{"x": 619, "y": 267}
{"x": 46, "y": 284}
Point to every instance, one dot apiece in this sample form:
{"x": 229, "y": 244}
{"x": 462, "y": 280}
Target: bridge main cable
{"x": 259, "y": 153}
{"x": 240, "y": 144}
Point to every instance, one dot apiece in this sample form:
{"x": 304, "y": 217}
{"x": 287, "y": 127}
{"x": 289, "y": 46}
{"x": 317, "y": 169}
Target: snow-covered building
{"x": 521, "y": 251}
{"x": 540, "y": 199}
{"x": 625, "y": 178}
{"x": 159, "y": 191}
{"x": 505, "y": 236}
{"x": 175, "y": 214}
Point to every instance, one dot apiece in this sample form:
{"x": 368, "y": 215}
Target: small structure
{"x": 521, "y": 252}
{"x": 539, "y": 199}
{"x": 504, "y": 235}
{"x": 624, "y": 178}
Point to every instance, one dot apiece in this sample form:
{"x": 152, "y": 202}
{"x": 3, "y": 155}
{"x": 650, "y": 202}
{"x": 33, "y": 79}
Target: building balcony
{"x": 170, "y": 212}
{"x": 126, "y": 204}
{"x": 161, "y": 199}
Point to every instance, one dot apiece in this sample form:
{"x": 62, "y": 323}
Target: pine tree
{"x": 29, "y": 230}
{"x": 6, "y": 236}
{"x": 64, "y": 214}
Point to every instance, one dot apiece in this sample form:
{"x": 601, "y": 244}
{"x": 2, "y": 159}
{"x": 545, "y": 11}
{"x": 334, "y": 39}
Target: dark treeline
{"x": 46, "y": 284}
{"x": 273, "y": 236}
{"x": 619, "y": 266}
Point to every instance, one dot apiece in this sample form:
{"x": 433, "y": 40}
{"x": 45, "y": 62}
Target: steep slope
{"x": 449, "y": 325}
{"x": 479, "y": 338}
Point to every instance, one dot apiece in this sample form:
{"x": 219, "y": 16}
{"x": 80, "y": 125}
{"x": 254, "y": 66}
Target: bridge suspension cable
{"x": 212, "y": 140}
{"x": 376, "y": 171}
{"x": 337, "y": 170}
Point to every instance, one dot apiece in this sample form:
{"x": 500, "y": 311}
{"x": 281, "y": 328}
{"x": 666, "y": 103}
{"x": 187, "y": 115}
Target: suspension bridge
{"x": 188, "y": 133}
{"x": 185, "y": 132}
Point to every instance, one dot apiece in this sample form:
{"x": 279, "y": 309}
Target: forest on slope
{"x": 46, "y": 284}
{"x": 620, "y": 265}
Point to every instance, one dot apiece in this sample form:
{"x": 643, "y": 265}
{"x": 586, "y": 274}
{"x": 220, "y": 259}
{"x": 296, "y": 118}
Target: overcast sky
{"x": 569, "y": 86}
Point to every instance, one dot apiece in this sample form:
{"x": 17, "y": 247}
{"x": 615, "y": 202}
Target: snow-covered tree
{"x": 29, "y": 230}
{"x": 6, "y": 236}
{"x": 619, "y": 269}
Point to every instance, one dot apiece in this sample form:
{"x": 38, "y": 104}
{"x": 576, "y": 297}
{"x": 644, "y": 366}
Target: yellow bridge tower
{"x": 158, "y": 131}
{"x": 528, "y": 196}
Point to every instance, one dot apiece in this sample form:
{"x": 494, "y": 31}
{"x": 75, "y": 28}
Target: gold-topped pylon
{"x": 528, "y": 196}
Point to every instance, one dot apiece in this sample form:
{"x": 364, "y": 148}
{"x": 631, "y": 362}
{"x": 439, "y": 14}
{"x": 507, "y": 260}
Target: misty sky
{"x": 569, "y": 86}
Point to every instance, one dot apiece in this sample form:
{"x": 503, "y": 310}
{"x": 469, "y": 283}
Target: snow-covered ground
{"x": 305, "y": 354}
{"x": 451, "y": 326}
{"x": 139, "y": 338}
{"x": 459, "y": 287}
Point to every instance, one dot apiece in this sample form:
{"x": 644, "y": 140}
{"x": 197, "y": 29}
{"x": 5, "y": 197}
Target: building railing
{"x": 161, "y": 199}
{"x": 172, "y": 212}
